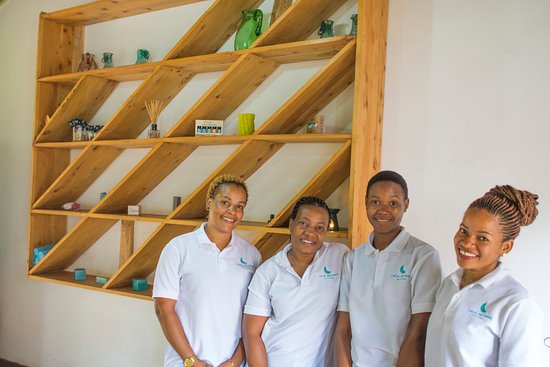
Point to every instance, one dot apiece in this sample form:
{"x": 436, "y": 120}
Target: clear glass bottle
{"x": 153, "y": 132}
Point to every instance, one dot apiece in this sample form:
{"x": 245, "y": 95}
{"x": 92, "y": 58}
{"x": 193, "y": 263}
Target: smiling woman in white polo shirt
{"x": 291, "y": 305}
{"x": 388, "y": 286}
{"x": 483, "y": 316}
{"x": 201, "y": 282}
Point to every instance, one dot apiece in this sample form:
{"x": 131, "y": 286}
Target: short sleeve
{"x": 343, "y": 299}
{"x": 520, "y": 339}
{"x": 167, "y": 277}
{"x": 258, "y": 302}
{"x": 426, "y": 278}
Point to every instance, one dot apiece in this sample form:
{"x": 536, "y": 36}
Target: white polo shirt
{"x": 491, "y": 322}
{"x": 301, "y": 311}
{"x": 210, "y": 288}
{"x": 381, "y": 289}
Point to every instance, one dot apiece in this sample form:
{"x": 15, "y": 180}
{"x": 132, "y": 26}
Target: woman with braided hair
{"x": 291, "y": 307}
{"x": 483, "y": 316}
{"x": 201, "y": 283}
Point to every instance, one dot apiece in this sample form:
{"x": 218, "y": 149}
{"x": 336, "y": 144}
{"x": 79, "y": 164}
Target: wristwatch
{"x": 189, "y": 361}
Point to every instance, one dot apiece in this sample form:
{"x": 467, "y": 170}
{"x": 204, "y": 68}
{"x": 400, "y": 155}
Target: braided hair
{"x": 308, "y": 200}
{"x": 513, "y": 208}
{"x": 226, "y": 179}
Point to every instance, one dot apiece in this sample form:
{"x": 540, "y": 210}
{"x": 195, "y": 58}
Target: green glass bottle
{"x": 326, "y": 29}
{"x": 353, "y": 24}
{"x": 250, "y": 29}
{"x": 107, "y": 60}
{"x": 142, "y": 56}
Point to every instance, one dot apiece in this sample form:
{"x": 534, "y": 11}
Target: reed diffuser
{"x": 154, "y": 108}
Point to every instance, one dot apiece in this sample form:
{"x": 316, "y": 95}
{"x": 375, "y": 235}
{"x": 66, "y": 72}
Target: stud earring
{"x": 504, "y": 254}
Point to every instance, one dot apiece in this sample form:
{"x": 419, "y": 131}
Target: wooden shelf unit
{"x": 63, "y": 94}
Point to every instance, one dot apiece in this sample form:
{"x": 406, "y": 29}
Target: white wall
{"x": 465, "y": 109}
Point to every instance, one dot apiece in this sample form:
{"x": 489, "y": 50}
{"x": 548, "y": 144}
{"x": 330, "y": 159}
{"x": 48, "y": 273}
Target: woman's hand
{"x": 200, "y": 363}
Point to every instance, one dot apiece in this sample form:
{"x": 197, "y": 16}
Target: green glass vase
{"x": 353, "y": 25}
{"x": 250, "y": 29}
{"x": 142, "y": 56}
{"x": 326, "y": 29}
{"x": 107, "y": 60}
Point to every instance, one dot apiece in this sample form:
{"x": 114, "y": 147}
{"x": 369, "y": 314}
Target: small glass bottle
{"x": 107, "y": 60}
{"x": 142, "y": 56}
{"x": 353, "y": 25}
{"x": 153, "y": 133}
{"x": 326, "y": 29}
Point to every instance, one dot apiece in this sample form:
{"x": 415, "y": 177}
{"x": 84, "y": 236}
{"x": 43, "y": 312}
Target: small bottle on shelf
{"x": 153, "y": 133}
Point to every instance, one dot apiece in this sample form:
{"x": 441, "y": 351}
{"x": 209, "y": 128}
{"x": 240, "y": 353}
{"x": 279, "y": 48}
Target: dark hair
{"x": 513, "y": 208}
{"x": 390, "y": 176}
{"x": 308, "y": 200}
{"x": 226, "y": 179}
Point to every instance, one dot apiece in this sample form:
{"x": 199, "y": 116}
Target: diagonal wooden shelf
{"x": 213, "y": 28}
{"x": 105, "y": 10}
{"x": 299, "y": 21}
{"x": 87, "y": 96}
{"x": 78, "y": 176}
{"x": 329, "y": 82}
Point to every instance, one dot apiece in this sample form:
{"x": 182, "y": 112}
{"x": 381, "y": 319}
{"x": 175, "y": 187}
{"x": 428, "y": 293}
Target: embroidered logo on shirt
{"x": 328, "y": 274}
{"x": 481, "y": 314}
{"x": 402, "y": 275}
{"x": 242, "y": 262}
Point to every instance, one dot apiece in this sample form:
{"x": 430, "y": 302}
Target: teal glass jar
{"x": 353, "y": 25}
{"x": 326, "y": 29}
{"x": 107, "y": 60}
{"x": 142, "y": 56}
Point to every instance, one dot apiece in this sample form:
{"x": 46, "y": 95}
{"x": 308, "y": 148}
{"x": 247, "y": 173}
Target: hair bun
{"x": 525, "y": 202}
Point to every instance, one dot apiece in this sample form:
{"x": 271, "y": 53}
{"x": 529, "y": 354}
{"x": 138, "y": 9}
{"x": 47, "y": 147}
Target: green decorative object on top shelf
{"x": 107, "y": 60}
{"x": 142, "y": 56}
{"x": 250, "y": 29}
{"x": 353, "y": 25}
{"x": 326, "y": 29}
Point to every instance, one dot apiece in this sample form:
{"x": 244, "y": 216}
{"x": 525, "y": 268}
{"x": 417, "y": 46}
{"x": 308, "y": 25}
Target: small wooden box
{"x": 208, "y": 127}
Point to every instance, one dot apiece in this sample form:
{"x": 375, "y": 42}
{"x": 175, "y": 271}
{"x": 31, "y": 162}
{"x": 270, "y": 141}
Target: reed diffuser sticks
{"x": 154, "y": 108}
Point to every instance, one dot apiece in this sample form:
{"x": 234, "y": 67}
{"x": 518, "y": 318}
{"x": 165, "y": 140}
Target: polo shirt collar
{"x": 202, "y": 237}
{"x": 497, "y": 274}
{"x": 397, "y": 245}
{"x": 282, "y": 256}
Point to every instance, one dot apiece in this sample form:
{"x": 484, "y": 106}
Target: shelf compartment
{"x": 213, "y": 28}
{"x": 325, "y": 85}
{"x": 132, "y": 118}
{"x": 73, "y": 245}
{"x": 299, "y": 21}
{"x": 243, "y": 162}
{"x": 105, "y": 10}
{"x": 144, "y": 177}
{"x": 77, "y": 177}
{"x": 323, "y": 184}
{"x": 144, "y": 261}
{"x": 300, "y": 51}
{"x": 84, "y": 100}
{"x": 233, "y": 87}
{"x": 47, "y": 165}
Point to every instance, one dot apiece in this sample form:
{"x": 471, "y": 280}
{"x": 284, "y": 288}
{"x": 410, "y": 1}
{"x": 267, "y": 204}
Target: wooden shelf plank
{"x": 234, "y": 86}
{"x": 163, "y": 85}
{"x": 105, "y": 10}
{"x": 87, "y": 96}
{"x": 47, "y": 165}
{"x": 67, "y": 278}
{"x": 299, "y": 21}
{"x": 325, "y": 85}
{"x": 201, "y": 141}
{"x": 144, "y": 177}
{"x": 300, "y": 51}
{"x": 212, "y": 29}
{"x": 243, "y": 162}
{"x": 77, "y": 177}
{"x": 144, "y": 261}
{"x": 73, "y": 244}
{"x": 329, "y": 178}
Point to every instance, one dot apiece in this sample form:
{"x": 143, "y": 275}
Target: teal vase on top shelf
{"x": 107, "y": 60}
{"x": 326, "y": 29}
{"x": 353, "y": 25}
{"x": 142, "y": 56}
{"x": 250, "y": 29}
